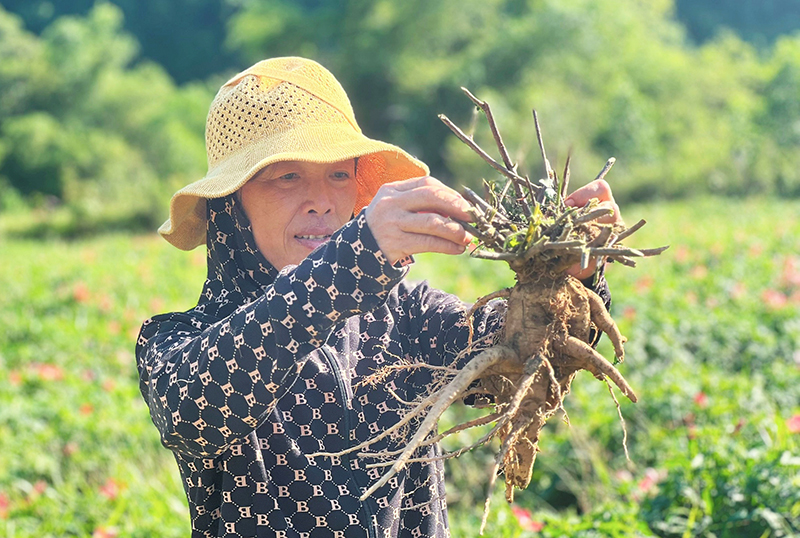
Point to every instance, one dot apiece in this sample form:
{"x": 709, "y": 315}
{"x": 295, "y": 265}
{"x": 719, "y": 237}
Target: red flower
{"x": 651, "y": 478}
{"x": 701, "y": 399}
{"x": 15, "y": 378}
{"x": 39, "y": 487}
{"x": 105, "y": 303}
{"x": 699, "y": 271}
{"x": 111, "y": 489}
{"x": 629, "y": 313}
{"x": 49, "y": 372}
{"x": 105, "y": 532}
{"x": 80, "y": 292}
{"x": 738, "y": 291}
{"x": 5, "y": 503}
{"x": 644, "y": 284}
{"x": 157, "y": 304}
{"x": 794, "y": 424}
{"x": 774, "y": 299}
{"x": 86, "y": 409}
{"x": 525, "y": 520}
{"x": 790, "y": 276}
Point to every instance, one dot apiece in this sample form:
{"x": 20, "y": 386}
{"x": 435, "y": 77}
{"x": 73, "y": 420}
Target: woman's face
{"x": 294, "y": 207}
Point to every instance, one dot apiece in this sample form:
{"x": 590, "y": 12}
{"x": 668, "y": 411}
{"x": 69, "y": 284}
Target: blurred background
{"x": 102, "y": 105}
{"x": 102, "y": 113}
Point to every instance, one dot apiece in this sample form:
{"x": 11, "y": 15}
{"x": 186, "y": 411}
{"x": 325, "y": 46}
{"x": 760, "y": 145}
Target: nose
{"x": 320, "y": 198}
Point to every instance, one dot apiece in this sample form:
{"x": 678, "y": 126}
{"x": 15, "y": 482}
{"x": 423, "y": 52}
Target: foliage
{"x": 609, "y": 78}
{"x": 80, "y": 108}
{"x": 713, "y": 441}
{"x": 186, "y": 37}
{"x": 713, "y": 353}
{"x": 758, "y": 21}
{"x": 78, "y": 123}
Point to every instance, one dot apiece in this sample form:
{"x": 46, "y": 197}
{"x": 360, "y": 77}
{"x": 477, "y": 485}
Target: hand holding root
{"x": 546, "y": 238}
{"x": 416, "y": 215}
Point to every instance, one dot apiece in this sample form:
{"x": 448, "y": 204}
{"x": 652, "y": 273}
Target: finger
{"x": 435, "y": 225}
{"x": 433, "y": 199}
{"x": 583, "y": 274}
{"x": 431, "y": 195}
{"x": 419, "y": 243}
{"x": 599, "y": 189}
{"x": 414, "y": 183}
{"x": 611, "y": 218}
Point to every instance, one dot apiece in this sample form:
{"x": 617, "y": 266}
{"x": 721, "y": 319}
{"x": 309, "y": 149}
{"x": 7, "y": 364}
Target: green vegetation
{"x": 102, "y": 112}
{"x": 82, "y": 127}
{"x": 91, "y": 125}
{"x": 713, "y": 353}
{"x": 757, "y": 21}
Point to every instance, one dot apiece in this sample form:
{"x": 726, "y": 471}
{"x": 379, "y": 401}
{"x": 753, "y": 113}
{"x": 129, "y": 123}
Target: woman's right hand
{"x": 413, "y": 216}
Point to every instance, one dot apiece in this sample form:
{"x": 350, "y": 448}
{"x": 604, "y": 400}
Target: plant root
{"x": 443, "y": 399}
{"x": 591, "y": 360}
{"x": 550, "y": 318}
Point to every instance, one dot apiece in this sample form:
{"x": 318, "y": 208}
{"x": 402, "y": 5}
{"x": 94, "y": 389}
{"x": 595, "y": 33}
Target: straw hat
{"x": 283, "y": 109}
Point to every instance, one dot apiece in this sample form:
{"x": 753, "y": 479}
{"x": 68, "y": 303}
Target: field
{"x": 713, "y": 353}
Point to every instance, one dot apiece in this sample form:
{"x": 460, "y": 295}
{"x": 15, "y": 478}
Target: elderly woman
{"x": 308, "y": 226}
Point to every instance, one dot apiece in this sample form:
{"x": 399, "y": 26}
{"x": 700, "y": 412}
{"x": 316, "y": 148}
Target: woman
{"x": 308, "y": 226}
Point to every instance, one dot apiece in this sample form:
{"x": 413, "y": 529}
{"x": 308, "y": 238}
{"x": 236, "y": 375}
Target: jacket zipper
{"x": 337, "y": 374}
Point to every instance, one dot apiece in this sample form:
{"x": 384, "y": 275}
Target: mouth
{"x": 312, "y": 241}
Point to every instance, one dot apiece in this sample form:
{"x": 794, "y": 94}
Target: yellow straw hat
{"x": 283, "y": 109}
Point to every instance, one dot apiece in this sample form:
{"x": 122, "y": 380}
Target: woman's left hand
{"x": 600, "y": 190}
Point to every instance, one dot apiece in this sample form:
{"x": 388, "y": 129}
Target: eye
{"x": 291, "y": 176}
{"x": 341, "y": 175}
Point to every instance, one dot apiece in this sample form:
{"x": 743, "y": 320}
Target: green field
{"x": 713, "y": 353}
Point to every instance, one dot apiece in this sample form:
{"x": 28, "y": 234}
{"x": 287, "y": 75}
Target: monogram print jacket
{"x": 271, "y": 367}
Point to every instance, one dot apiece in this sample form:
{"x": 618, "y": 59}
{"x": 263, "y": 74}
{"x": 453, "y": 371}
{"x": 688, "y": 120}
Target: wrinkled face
{"x": 294, "y": 207}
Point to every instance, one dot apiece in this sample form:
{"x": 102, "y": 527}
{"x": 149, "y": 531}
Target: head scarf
{"x": 237, "y": 271}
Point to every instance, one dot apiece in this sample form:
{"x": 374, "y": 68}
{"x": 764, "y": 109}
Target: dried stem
{"x": 653, "y": 251}
{"x": 502, "y": 256}
{"x": 606, "y": 168}
{"x": 593, "y": 215}
{"x": 631, "y": 230}
{"x": 548, "y": 169}
{"x": 565, "y": 181}
{"x": 510, "y": 174}
{"x": 487, "y": 111}
{"x": 492, "y": 213}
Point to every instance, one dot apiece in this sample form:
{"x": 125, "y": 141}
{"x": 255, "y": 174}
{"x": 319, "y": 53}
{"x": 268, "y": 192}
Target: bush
{"x": 80, "y": 122}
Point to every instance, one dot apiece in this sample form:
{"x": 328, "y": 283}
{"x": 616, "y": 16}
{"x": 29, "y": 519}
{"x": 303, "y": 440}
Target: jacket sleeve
{"x": 209, "y": 383}
{"x": 440, "y": 327}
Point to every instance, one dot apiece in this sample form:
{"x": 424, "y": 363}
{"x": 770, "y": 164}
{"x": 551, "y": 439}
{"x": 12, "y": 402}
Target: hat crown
{"x": 273, "y": 97}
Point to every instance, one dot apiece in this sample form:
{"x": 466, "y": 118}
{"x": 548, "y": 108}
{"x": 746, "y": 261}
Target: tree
{"x": 185, "y": 36}
{"x": 78, "y": 122}
{"x": 758, "y": 21}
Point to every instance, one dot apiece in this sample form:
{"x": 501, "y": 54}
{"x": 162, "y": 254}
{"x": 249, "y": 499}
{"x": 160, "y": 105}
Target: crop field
{"x": 713, "y": 352}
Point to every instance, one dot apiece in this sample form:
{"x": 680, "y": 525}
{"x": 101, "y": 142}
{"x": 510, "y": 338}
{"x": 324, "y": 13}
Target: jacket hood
{"x": 237, "y": 271}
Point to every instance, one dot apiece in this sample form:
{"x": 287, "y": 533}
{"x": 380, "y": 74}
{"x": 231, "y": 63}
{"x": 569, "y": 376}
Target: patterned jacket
{"x": 271, "y": 367}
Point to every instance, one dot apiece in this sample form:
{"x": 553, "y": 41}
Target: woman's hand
{"x": 412, "y": 216}
{"x": 600, "y": 190}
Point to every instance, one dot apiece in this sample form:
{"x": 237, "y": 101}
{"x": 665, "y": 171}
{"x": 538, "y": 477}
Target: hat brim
{"x": 186, "y": 226}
